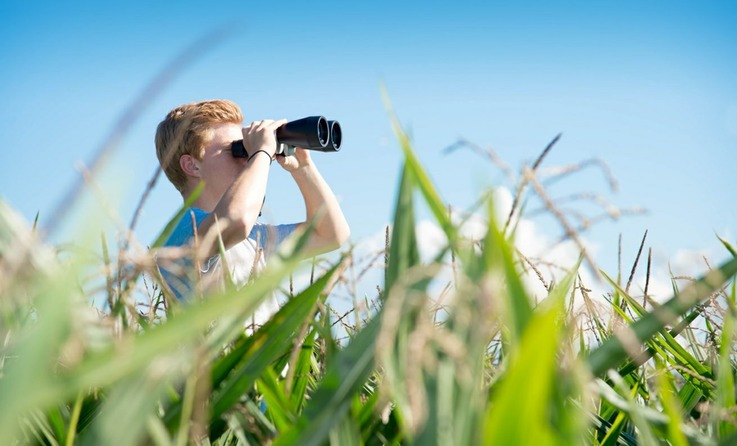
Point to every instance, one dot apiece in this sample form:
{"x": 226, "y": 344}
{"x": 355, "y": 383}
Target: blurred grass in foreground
{"x": 490, "y": 365}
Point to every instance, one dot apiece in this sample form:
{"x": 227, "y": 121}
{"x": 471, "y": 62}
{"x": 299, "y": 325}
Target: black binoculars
{"x": 313, "y": 133}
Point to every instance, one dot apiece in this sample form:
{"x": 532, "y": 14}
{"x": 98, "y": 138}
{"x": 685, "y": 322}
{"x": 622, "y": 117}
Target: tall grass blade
{"x": 352, "y": 366}
{"x": 645, "y": 434}
{"x": 614, "y": 351}
{"x": 266, "y": 345}
{"x": 346, "y": 433}
{"x": 303, "y": 373}
{"x": 497, "y": 254}
{"x": 346, "y": 374}
{"x": 126, "y": 411}
{"x": 28, "y": 359}
{"x": 726, "y": 406}
{"x": 403, "y": 252}
{"x": 528, "y": 384}
{"x": 666, "y": 393}
{"x": 655, "y": 418}
{"x": 278, "y": 407}
{"x": 668, "y": 348}
{"x": 729, "y": 246}
{"x": 420, "y": 177}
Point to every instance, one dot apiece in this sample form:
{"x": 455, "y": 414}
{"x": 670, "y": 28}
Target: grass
{"x": 467, "y": 358}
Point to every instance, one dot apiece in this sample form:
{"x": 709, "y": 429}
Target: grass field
{"x": 94, "y": 351}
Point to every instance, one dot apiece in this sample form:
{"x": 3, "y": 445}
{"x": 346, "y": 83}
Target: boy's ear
{"x": 190, "y": 165}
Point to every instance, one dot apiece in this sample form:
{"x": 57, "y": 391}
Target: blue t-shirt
{"x": 261, "y": 243}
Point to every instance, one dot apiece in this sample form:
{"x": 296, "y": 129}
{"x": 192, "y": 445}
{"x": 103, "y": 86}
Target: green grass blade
{"x": 665, "y": 340}
{"x": 30, "y": 382}
{"x": 729, "y": 246}
{"x": 187, "y": 326}
{"x": 667, "y": 395}
{"x": 346, "y": 433}
{"x": 689, "y": 397}
{"x": 346, "y": 375}
{"x": 498, "y": 254}
{"x": 725, "y": 394}
{"x": 56, "y": 420}
{"x": 278, "y": 406}
{"x": 365, "y": 413}
{"x": 129, "y": 405}
{"x": 303, "y": 377}
{"x": 645, "y": 433}
{"x": 268, "y": 343}
{"x": 613, "y": 352}
{"x": 631, "y": 365}
{"x": 729, "y": 441}
{"x": 652, "y": 418}
{"x": 614, "y": 434}
{"x": 403, "y": 252}
{"x": 35, "y": 425}
{"x": 668, "y": 348}
{"x": 528, "y": 384}
{"x": 420, "y": 177}
{"x": 403, "y": 256}
{"x": 27, "y": 378}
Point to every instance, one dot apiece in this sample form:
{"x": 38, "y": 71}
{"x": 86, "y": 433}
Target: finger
{"x": 276, "y": 124}
{"x": 253, "y": 126}
{"x": 281, "y": 159}
{"x": 302, "y": 152}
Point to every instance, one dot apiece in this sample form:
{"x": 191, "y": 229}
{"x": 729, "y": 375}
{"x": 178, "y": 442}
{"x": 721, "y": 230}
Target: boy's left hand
{"x": 300, "y": 159}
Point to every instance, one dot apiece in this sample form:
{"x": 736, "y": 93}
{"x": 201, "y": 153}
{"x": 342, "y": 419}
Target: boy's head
{"x": 186, "y": 130}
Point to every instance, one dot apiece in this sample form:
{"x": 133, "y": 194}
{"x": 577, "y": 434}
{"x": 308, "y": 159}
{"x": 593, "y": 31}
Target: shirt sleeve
{"x": 269, "y": 237}
{"x": 180, "y": 283}
{"x": 184, "y": 230}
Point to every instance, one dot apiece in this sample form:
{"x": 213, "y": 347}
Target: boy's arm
{"x": 236, "y": 212}
{"x": 331, "y": 228}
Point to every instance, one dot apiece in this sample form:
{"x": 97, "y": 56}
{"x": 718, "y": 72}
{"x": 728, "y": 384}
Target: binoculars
{"x": 313, "y": 133}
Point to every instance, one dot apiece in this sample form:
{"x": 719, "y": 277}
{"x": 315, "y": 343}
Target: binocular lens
{"x": 323, "y": 131}
{"x": 336, "y": 135}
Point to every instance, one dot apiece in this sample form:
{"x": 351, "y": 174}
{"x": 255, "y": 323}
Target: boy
{"x": 193, "y": 145}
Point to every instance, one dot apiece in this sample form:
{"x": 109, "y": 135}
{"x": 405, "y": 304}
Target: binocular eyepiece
{"x": 313, "y": 133}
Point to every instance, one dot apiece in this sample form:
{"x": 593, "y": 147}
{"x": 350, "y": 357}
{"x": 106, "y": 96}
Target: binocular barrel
{"x": 313, "y": 133}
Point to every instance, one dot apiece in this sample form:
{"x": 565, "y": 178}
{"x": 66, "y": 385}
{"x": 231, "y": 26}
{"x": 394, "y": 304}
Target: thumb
{"x": 282, "y": 160}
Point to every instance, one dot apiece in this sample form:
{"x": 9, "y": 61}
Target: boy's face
{"x": 218, "y": 167}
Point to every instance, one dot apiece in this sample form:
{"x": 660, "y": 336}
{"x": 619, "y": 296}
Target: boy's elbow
{"x": 339, "y": 237}
{"x": 343, "y": 235}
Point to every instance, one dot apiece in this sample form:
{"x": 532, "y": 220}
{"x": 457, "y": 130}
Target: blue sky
{"x": 647, "y": 87}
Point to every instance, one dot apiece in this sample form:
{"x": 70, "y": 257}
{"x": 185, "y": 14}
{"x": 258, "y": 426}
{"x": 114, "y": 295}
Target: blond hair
{"x": 185, "y": 131}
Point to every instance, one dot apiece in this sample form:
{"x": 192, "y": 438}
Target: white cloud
{"x": 430, "y": 239}
{"x": 552, "y": 259}
{"x": 684, "y": 265}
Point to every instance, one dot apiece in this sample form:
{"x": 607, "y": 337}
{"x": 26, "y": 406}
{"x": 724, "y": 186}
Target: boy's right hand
{"x": 261, "y": 135}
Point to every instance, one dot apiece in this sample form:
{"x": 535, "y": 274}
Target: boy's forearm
{"x": 238, "y": 208}
{"x": 331, "y": 228}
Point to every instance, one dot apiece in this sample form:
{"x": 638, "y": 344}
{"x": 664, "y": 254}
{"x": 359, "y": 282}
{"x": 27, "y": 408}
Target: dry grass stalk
{"x": 570, "y": 232}
{"x": 526, "y": 176}
{"x": 634, "y": 265}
